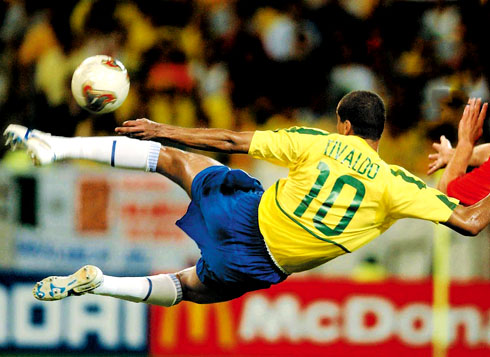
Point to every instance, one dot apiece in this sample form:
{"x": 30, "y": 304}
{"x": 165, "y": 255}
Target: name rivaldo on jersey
{"x": 351, "y": 158}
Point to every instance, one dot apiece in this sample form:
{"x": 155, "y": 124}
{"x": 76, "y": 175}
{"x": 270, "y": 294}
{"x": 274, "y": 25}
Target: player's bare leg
{"x": 181, "y": 166}
{"x": 196, "y": 291}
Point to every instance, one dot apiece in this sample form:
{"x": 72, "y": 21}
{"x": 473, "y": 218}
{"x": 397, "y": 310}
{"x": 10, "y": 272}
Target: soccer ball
{"x": 100, "y": 84}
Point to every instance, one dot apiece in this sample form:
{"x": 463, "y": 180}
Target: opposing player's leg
{"x": 117, "y": 151}
{"x": 162, "y": 289}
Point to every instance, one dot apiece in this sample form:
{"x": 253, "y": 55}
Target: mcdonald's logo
{"x": 191, "y": 326}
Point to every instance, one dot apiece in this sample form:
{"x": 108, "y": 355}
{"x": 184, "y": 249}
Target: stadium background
{"x": 241, "y": 65}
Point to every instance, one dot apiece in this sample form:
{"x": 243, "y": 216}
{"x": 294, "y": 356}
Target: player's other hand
{"x": 140, "y": 128}
{"x": 471, "y": 124}
{"x": 439, "y": 160}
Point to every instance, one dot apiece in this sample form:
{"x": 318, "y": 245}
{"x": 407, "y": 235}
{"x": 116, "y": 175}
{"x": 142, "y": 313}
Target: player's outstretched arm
{"x": 469, "y": 130}
{"x": 470, "y": 220}
{"x": 220, "y": 140}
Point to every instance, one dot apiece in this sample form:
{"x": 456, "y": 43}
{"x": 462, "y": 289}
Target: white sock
{"x": 162, "y": 289}
{"x": 116, "y": 151}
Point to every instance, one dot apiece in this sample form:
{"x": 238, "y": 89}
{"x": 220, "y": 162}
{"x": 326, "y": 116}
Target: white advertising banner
{"x": 123, "y": 221}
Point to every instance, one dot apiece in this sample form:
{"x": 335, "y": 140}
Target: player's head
{"x": 365, "y": 113}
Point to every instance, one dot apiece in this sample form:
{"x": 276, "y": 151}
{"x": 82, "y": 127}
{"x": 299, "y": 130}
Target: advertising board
{"x": 315, "y": 316}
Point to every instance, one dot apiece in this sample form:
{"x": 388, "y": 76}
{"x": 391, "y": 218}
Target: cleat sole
{"x": 82, "y": 281}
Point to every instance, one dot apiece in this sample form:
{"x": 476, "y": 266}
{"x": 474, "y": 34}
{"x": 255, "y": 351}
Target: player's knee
{"x": 194, "y": 290}
{"x": 169, "y": 156}
{"x": 188, "y": 281}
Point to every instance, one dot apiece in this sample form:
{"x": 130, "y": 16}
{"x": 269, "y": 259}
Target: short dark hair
{"x": 366, "y": 112}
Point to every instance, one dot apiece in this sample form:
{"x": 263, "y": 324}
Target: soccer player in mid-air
{"x": 338, "y": 196}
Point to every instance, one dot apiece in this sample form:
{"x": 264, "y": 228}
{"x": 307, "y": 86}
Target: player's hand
{"x": 471, "y": 124}
{"x": 140, "y": 128}
{"x": 440, "y": 159}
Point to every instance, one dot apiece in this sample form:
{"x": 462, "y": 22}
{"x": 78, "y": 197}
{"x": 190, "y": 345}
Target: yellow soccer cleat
{"x": 82, "y": 281}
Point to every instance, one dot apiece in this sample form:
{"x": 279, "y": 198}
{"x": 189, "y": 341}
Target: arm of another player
{"x": 481, "y": 153}
{"x": 469, "y": 130}
{"x": 444, "y": 153}
{"x": 220, "y": 140}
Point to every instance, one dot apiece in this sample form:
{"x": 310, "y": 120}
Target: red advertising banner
{"x": 316, "y": 316}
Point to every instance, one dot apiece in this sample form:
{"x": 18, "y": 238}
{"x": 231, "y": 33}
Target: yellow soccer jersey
{"x": 338, "y": 196}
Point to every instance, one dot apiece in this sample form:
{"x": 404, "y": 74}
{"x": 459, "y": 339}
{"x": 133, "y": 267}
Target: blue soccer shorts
{"x": 222, "y": 219}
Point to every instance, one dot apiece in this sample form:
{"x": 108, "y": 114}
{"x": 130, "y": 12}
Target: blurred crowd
{"x": 247, "y": 64}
